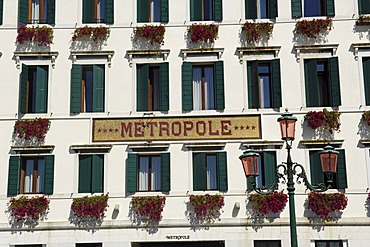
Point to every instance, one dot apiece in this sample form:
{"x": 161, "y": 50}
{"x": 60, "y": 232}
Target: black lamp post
{"x": 328, "y": 158}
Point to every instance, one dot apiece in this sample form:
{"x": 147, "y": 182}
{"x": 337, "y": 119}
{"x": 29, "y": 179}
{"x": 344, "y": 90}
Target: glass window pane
{"x": 197, "y": 88}
{"x": 262, "y": 6}
{"x": 144, "y": 173}
{"x": 156, "y": 10}
{"x": 35, "y": 11}
{"x": 101, "y": 11}
{"x": 40, "y": 176}
{"x": 89, "y": 90}
{"x": 264, "y": 85}
{"x": 208, "y": 10}
{"x": 28, "y": 179}
{"x": 156, "y": 173}
{"x": 312, "y": 8}
{"x": 211, "y": 172}
{"x": 156, "y": 88}
{"x": 209, "y": 91}
{"x": 334, "y": 244}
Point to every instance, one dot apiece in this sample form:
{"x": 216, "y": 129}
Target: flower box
{"x": 203, "y": 33}
{"x": 263, "y": 204}
{"x": 148, "y": 208}
{"x": 28, "y": 209}
{"x": 152, "y": 33}
{"x": 327, "y": 119}
{"x": 96, "y": 34}
{"x": 323, "y": 204}
{"x": 31, "y": 129}
{"x": 363, "y": 20}
{"x": 366, "y": 117}
{"x": 255, "y": 30}
{"x": 42, "y": 36}
{"x": 90, "y": 208}
{"x": 207, "y": 207}
{"x": 313, "y": 28}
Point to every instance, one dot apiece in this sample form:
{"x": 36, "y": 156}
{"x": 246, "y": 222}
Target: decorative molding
{"x": 245, "y": 51}
{"x": 149, "y": 147}
{"x": 321, "y": 143}
{"x": 259, "y": 145}
{"x": 147, "y": 53}
{"x": 366, "y": 143}
{"x": 332, "y": 48}
{"x": 108, "y": 54}
{"x": 359, "y": 46}
{"x": 205, "y": 146}
{"x": 51, "y": 54}
{"x": 202, "y": 51}
{"x": 89, "y": 148}
{"x": 32, "y": 149}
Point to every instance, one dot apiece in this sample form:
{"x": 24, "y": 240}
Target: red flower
{"x": 206, "y": 207}
{"x": 253, "y": 30}
{"x": 328, "y": 119}
{"x": 28, "y": 209}
{"x": 323, "y": 204}
{"x": 206, "y": 33}
{"x": 96, "y": 34}
{"x": 90, "y": 207}
{"x": 266, "y": 203}
{"x": 149, "y": 207}
{"x": 41, "y": 35}
{"x": 32, "y": 128}
{"x": 154, "y": 34}
{"x": 312, "y": 28}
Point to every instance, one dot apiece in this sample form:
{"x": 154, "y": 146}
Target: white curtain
{"x": 40, "y": 176}
{"x": 156, "y": 173}
{"x": 197, "y": 88}
{"x": 143, "y": 175}
{"x": 28, "y": 180}
{"x": 101, "y": 10}
{"x": 209, "y": 85}
{"x": 155, "y": 11}
{"x": 35, "y": 10}
{"x": 211, "y": 172}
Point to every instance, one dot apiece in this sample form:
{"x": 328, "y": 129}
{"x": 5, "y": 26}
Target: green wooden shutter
{"x": 1, "y": 12}
{"x": 330, "y": 8}
{"x": 97, "y": 176}
{"x": 341, "y": 171}
{"x": 296, "y": 8}
{"x": 166, "y": 175}
{"x": 334, "y": 82}
{"x": 253, "y": 90}
{"x": 164, "y": 67}
{"x": 199, "y": 171}
{"x": 317, "y": 176}
{"x": 187, "y": 86}
{"x": 23, "y": 11}
{"x": 142, "y": 11}
{"x": 109, "y": 12}
{"x": 363, "y": 7}
{"x": 366, "y": 72}
{"x": 49, "y": 175}
{"x": 311, "y": 83}
{"x": 222, "y": 182}
{"x": 269, "y": 168}
{"x": 84, "y": 174}
{"x": 250, "y": 9}
{"x": 41, "y": 89}
{"x": 164, "y": 11}
{"x": 249, "y": 184}
{"x": 23, "y": 90}
{"x": 142, "y": 77}
{"x": 276, "y": 83}
{"x": 217, "y": 8}
{"x": 13, "y": 176}
{"x": 219, "y": 93}
{"x": 273, "y": 9}
{"x": 88, "y": 11}
{"x": 76, "y": 79}
{"x": 98, "y": 90}
{"x": 195, "y": 10}
{"x": 51, "y": 12}
{"x": 131, "y": 173}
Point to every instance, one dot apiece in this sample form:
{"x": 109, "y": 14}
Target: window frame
{"x": 42, "y": 12}
{"x": 297, "y": 8}
{"x": 149, "y": 174}
{"x": 35, "y": 174}
{"x": 253, "y": 9}
{"x": 92, "y": 169}
{"x": 197, "y": 10}
{"x": 328, "y": 242}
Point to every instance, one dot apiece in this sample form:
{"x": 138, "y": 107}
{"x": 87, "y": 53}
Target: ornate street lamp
{"x": 328, "y": 158}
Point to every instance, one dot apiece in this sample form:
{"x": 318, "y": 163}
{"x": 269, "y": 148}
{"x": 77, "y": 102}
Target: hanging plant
{"x": 254, "y": 30}
{"x": 363, "y": 20}
{"x": 207, "y": 207}
{"x": 42, "y": 36}
{"x": 30, "y": 129}
{"x": 312, "y": 28}
{"x": 323, "y": 204}
{"x": 96, "y": 34}
{"x": 203, "y": 33}
{"x": 263, "y": 204}
{"x": 327, "y": 119}
{"x": 149, "y": 207}
{"x": 90, "y": 208}
{"x": 152, "y": 33}
{"x": 366, "y": 117}
{"x": 28, "y": 209}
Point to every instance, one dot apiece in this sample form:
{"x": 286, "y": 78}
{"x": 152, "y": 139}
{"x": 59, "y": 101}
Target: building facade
{"x": 132, "y": 118}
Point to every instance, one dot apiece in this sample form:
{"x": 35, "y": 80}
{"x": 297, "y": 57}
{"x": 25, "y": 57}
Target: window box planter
{"x": 148, "y": 208}
{"x": 363, "y": 20}
{"x": 254, "y": 31}
{"x": 203, "y": 33}
{"x": 28, "y": 209}
{"x": 207, "y": 207}
{"x": 32, "y": 129}
{"x": 90, "y": 208}
{"x": 153, "y": 34}
{"x": 42, "y": 36}
{"x": 95, "y": 34}
{"x": 270, "y": 203}
{"x": 323, "y": 204}
{"x": 329, "y": 120}
{"x": 313, "y": 28}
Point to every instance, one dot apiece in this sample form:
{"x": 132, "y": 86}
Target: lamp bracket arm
{"x": 301, "y": 175}
{"x": 263, "y": 190}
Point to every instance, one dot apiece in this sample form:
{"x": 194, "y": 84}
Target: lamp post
{"x": 328, "y": 158}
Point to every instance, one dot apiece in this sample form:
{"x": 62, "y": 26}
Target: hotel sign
{"x": 177, "y": 129}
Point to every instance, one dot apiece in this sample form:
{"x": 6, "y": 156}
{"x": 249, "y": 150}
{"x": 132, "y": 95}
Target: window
{"x": 203, "y": 86}
{"x": 33, "y": 89}
{"x": 98, "y": 11}
{"x": 363, "y": 7}
{"x": 30, "y": 174}
{"x": 264, "y": 86}
{"x": 328, "y": 243}
{"x": 1, "y": 12}
{"x": 87, "y": 88}
{"x": 210, "y": 171}
{"x": 267, "y": 169}
{"x": 322, "y": 82}
{"x": 261, "y": 9}
{"x": 267, "y": 243}
{"x": 318, "y": 177}
{"x": 29, "y": 245}
{"x": 152, "y": 87}
{"x": 205, "y": 10}
{"x": 152, "y": 10}
{"x": 37, "y": 11}
{"x": 366, "y": 73}
{"x": 89, "y": 245}
{"x": 311, "y": 8}
{"x": 91, "y": 173}
{"x": 148, "y": 172}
